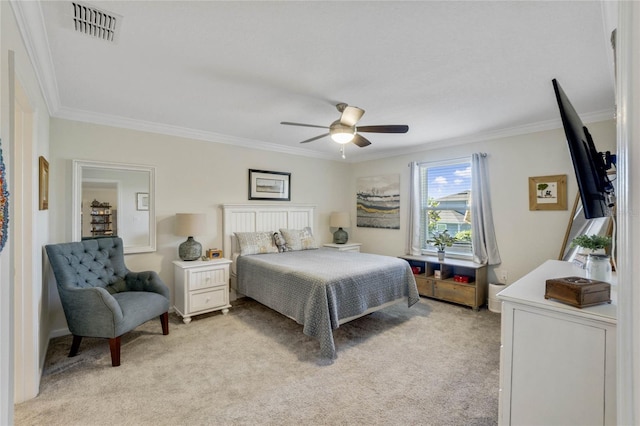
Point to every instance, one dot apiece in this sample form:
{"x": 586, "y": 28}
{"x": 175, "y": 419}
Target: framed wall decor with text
{"x": 266, "y": 185}
{"x": 548, "y": 192}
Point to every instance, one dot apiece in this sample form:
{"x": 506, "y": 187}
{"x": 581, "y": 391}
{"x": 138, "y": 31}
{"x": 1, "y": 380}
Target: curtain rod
{"x": 482, "y": 154}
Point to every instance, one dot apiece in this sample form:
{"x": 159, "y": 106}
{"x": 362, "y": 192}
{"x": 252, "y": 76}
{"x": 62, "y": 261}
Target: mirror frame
{"x": 76, "y": 198}
{"x": 568, "y": 253}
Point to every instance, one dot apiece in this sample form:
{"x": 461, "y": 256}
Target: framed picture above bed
{"x": 266, "y": 185}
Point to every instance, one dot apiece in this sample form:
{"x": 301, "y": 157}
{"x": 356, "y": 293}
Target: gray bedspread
{"x": 318, "y": 288}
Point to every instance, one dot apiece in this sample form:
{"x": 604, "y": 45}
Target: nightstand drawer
{"x": 207, "y": 278}
{"x": 207, "y": 299}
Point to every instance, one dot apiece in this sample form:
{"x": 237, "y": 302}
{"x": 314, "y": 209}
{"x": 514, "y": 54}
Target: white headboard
{"x": 262, "y": 217}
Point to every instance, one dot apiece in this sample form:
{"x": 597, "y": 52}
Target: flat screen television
{"x": 590, "y": 166}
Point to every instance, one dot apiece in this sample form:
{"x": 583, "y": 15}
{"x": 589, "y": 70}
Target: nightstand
{"x": 343, "y": 247}
{"x": 201, "y": 286}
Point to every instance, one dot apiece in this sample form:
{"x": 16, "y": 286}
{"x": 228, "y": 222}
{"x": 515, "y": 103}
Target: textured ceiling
{"x": 230, "y": 72}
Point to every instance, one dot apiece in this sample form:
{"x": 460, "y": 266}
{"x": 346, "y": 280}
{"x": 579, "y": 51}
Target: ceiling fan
{"x": 344, "y": 129}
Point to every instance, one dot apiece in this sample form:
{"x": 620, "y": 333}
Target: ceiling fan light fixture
{"x": 342, "y": 133}
{"x": 344, "y": 130}
{"x": 342, "y": 138}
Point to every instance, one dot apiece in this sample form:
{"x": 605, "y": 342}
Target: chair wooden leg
{"x": 164, "y": 320}
{"x": 75, "y": 345}
{"x": 114, "y": 345}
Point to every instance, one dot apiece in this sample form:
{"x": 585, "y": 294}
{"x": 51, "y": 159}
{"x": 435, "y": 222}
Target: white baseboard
{"x": 59, "y": 332}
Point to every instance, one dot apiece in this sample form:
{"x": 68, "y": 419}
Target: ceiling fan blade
{"x": 288, "y": 123}
{"x": 315, "y": 138}
{"x": 351, "y": 115}
{"x": 360, "y": 141}
{"x": 391, "y": 128}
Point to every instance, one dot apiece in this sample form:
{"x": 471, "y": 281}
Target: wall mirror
{"x": 113, "y": 199}
{"x": 579, "y": 225}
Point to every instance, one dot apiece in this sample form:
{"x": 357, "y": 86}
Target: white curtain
{"x": 413, "y": 242}
{"x": 483, "y": 236}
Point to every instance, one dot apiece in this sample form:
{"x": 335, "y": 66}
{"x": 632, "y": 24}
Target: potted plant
{"x": 441, "y": 240}
{"x": 593, "y": 243}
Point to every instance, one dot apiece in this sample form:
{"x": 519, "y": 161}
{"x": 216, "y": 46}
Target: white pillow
{"x": 256, "y": 243}
{"x": 299, "y": 239}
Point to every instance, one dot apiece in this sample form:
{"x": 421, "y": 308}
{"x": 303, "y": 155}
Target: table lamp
{"x": 188, "y": 225}
{"x": 340, "y": 220}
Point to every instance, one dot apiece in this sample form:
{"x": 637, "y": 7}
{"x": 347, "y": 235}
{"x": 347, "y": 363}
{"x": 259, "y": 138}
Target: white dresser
{"x": 201, "y": 286}
{"x": 557, "y": 362}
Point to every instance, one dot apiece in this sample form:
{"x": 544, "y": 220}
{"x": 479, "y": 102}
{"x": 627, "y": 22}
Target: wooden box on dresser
{"x": 557, "y": 362}
{"x": 445, "y": 287}
{"x": 201, "y": 286}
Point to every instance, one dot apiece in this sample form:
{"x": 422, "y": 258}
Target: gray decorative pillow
{"x": 299, "y": 239}
{"x": 256, "y": 242}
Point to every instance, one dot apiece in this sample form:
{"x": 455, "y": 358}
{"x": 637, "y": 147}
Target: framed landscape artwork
{"x": 266, "y": 185}
{"x": 378, "y": 202}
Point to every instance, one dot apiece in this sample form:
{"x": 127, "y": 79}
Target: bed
{"x": 317, "y": 287}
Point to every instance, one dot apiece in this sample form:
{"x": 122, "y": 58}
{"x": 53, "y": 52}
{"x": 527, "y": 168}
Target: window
{"x": 445, "y": 196}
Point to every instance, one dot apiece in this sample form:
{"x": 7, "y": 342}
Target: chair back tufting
{"x": 88, "y": 263}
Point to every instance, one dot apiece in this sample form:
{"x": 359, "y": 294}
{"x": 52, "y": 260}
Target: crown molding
{"x": 164, "y": 129}
{"x": 183, "y": 132}
{"x": 540, "y": 126}
{"x": 31, "y": 25}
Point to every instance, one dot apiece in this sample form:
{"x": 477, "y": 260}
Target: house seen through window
{"x": 445, "y": 197}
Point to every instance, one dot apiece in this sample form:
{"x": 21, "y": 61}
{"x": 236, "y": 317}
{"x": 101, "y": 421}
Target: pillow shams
{"x": 299, "y": 239}
{"x": 256, "y": 243}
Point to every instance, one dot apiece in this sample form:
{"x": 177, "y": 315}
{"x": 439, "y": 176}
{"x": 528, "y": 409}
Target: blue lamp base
{"x": 340, "y": 236}
{"x": 190, "y": 250}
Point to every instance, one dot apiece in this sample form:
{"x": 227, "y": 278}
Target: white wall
{"x": 191, "y": 176}
{"x": 27, "y": 316}
{"x": 6, "y": 293}
{"x": 628, "y": 109}
{"x": 525, "y": 238}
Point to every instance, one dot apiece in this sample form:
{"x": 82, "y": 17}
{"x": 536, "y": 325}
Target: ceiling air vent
{"x": 95, "y": 22}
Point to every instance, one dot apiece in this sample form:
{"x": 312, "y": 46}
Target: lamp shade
{"x": 190, "y": 224}
{"x": 340, "y": 220}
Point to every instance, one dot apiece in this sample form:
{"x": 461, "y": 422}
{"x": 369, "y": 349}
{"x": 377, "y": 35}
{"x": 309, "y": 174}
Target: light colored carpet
{"x": 433, "y": 364}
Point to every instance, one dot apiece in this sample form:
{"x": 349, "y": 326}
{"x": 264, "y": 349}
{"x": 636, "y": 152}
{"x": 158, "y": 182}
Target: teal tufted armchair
{"x": 100, "y": 296}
